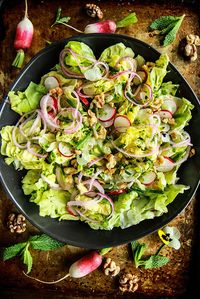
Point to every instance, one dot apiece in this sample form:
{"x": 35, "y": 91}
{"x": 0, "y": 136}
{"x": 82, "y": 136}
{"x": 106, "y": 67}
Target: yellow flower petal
{"x": 163, "y": 237}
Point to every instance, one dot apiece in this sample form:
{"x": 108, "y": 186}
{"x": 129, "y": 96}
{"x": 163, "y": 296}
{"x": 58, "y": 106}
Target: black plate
{"x": 75, "y": 232}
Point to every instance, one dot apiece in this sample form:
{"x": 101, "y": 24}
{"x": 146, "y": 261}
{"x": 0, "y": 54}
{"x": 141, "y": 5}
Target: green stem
{"x": 19, "y": 59}
{"x": 159, "y": 249}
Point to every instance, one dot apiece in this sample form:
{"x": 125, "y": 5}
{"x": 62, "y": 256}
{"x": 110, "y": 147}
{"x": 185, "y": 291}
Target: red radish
{"x": 65, "y": 149}
{"x": 148, "y": 178}
{"x": 107, "y": 124}
{"x": 51, "y": 82}
{"x": 121, "y": 123}
{"x": 84, "y": 101}
{"x": 23, "y": 38}
{"x": 80, "y": 268}
{"x": 101, "y": 27}
{"x": 116, "y": 192}
{"x": 169, "y": 105}
{"x": 164, "y": 114}
{"x": 106, "y": 113}
{"x": 85, "y": 265}
{"x": 166, "y": 165}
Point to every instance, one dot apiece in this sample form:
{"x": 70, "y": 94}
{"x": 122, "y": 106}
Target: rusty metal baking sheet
{"x": 172, "y": 280}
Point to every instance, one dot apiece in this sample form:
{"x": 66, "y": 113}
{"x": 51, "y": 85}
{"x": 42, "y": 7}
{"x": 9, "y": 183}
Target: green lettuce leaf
{"x": 158, "y": 72}
{"x": 22, "y": 102}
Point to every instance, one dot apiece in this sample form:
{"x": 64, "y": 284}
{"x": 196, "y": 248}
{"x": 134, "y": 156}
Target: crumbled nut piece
{"x": 70, "y": 170}
{"x": 101, "y": 134}
{"x": 110, "y": 267}
{"x": 99, "y": 100}
{"x": 122, "y": 185}
{"x": 190, "y": 51}
{"x": 94, "y": 11}
{"x": 56, "y": 91}
{"x": 74, "y": 163}
{"x": 16, "y": 223}
{"x": 110, "y": 171}
{"x": 193, "y": 39}
{"x": 128, "y": 283}
{"x": 171, "y": 121}
{"x": 111, "y": 161}
{"x": 160, "y": 159}
{"x": 192, "y": 152}
{"x": 77, "y": 152}
{"x": 92, "y": 119}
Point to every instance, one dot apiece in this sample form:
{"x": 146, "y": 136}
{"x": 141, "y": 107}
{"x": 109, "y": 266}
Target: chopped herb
{"x": 167, "y": 26}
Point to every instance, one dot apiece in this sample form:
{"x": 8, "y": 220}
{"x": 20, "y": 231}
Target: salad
{"x": 101, "y": 139}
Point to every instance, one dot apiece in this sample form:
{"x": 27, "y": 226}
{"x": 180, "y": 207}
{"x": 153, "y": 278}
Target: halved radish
{"x": 167, "y": 165}
{"x": 169, "y": 105}
{"x": 106, "y": 113}
{"x": 84, "y": 101}
{"x": 107, "y": 124}
{"x": 164, "y": 114}
{"x": 51, "y": 82}
{"x": 148, "y": 178}
{"x": 121, "y": 123}
{"x": 65, "y": 149}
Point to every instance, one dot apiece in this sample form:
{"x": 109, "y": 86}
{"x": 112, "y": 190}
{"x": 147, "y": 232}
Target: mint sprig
{"x": 128, "y": 20}
{"x": 150, "y": 262}
{"x": 168, "y": 27}
{"x": 38, "y": 242}
{"x": 59, "y": 19}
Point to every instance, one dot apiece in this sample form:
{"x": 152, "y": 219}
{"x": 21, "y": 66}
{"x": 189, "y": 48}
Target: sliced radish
{"x": 165, "y": 128}
{"x": 169, "y": 105}
{"x": 148, "y": 178}
{"x": 116, "y": 192}
{"x": 106, "y": 113}
{"x": 164, "y": 114}
{"x": 107, "y": 124}
{"x": 65, "y": 149}
{"x": 167, "y": 165}
{"x": 121, "y": 123}
{"x": 51, "y": 82}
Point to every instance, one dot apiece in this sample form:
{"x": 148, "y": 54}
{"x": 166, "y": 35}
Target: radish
{"x": 106, "y": 113}
{"x": 107, "y": 124}
{"x": 148, "y": 178}
{"x": 169, "y": 105}
{"x": 166, "y": 165}
{"x": 121, "y": 123}
{"x": 101, "y": 27}
{"x": 65, "y": 149}
{"x": 164, "y": 114}
{"x": 80, "y": 268}
{"x": 84, "y": 101}
{"x": 51, "y": 82}
{"x": 23, "y": 38}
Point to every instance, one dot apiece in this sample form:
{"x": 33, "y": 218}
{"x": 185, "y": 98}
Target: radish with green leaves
{"x": 23, "y": 38}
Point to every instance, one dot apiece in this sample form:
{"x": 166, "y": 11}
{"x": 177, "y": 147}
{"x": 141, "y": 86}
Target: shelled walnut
{"x": 94, "y": 11}
{"x": 188, "y": 46}
{"x": 16, "y": 223}
{"x": 128, "y": 283}
{"x": 110, "y": 267}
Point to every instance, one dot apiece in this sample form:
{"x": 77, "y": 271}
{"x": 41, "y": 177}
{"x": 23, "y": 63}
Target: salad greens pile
{"x": 101, "y": 139}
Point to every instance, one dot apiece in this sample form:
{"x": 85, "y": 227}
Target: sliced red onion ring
{"x": 95, "y": 161}
{"x": 95, "y": 184}
{"x": 31, "y": 151}
{"x": 86, "y": 218}
{"x": 80, "y": 93}
{"x": 109, "y": 200}
{"x": 155, "y": 150}
{"x": 130, "y": 60}
{"x": 80, "y": 177}
{"x": 105, "y": 67}
{"x": 15, "y": 141}
{"x": 184, "y": 158}
{"x": 64, "y": 68}
{"x": 44, "y": 104}
{"x": 51, "y": 184}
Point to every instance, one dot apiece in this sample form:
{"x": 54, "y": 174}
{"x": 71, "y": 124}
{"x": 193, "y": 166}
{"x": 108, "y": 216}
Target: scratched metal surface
{"x": 175, "y": 278}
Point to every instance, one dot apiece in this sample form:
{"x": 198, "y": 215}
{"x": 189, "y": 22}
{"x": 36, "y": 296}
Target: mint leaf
{"x": 27, "y": 258}
{"x": 156, "y": 261}
{"x": 128, "y": 20}
{"x": 163, "y": 22}
{"x": 59, "y": 19}
{"x": 103, "y": 251}
{"x": 44, "y": 242}
{"x": 64, "y": 20}
{"x": 12, "y": 251}
{"x": 138, "y": 250}
{"x": 170, "y": 37}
